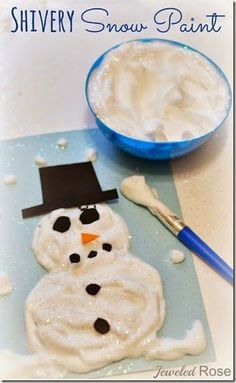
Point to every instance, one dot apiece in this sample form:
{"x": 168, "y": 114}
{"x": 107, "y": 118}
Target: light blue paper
{"x": 151, "y": 241}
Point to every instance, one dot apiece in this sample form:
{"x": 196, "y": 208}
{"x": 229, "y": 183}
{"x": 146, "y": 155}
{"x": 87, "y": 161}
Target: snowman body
{"x": 87, "y": 317}
{"x": 98, "y": 303}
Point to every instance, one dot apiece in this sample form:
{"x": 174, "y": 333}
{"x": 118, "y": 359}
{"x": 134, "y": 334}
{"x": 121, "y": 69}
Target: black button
{"x": 92, "y": 254}
{"x": 74, "y": 258}
{"x": 89, "y": 216}
{"x": 62, "y": 224}
{"x": 107, "y": 246}
{"x": 93, "y": 289}
{"x": 101, "y": 326}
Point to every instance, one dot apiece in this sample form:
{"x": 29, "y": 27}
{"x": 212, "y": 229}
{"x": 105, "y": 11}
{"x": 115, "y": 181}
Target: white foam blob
{"x": 91, "y": 155}
{"x": 9, "y": 179}
{"x": 37, "y": 366}
{"x": 40, "y": 160}
{"x": 177, "y": 256}
{"x": 62, "y": 143}
{"x": 5, "y": 284}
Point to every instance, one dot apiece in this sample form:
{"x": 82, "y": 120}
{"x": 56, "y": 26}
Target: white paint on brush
{"x": 137, "y": 190}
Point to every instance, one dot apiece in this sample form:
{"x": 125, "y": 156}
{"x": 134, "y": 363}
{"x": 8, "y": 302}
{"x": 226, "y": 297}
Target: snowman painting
{"x": 98, "y": 303}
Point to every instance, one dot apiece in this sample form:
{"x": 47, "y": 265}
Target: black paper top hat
{"x": 66, "y": 186}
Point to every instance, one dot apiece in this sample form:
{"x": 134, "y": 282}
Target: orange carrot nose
{"x": 87, "y": 237}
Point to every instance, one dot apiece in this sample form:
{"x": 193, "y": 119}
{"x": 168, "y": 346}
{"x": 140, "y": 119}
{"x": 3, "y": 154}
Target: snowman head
{"x": 79, "y": 225}
{"x": 69, "y": 237}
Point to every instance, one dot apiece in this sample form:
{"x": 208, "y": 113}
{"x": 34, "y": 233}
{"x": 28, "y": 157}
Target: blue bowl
{"x": 154, "y": 150}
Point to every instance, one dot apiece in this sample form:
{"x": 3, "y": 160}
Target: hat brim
{"x": 88, "y": 200}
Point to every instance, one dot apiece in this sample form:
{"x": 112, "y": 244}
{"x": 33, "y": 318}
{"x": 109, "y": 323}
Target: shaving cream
{"x": 5, "y": 284}
{"x": 37, "y": 366}
{"x": 106, "y": 310}
{"x": 158, "y": 92}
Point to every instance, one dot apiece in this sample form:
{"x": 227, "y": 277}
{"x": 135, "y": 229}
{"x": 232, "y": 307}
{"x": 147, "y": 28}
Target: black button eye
{"x": 74, "y": 258}
{"x": 89, "y": 215}
{"x": 62, "y": 224}
{"x": 101, "y": 326}
{"x": 107, "y": 246}
{"x": 93, "y": 289}
{"x": 92, "y": 254}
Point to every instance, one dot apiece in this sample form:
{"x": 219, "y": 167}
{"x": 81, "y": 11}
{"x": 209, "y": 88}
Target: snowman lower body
{"x": 108, "y": 309}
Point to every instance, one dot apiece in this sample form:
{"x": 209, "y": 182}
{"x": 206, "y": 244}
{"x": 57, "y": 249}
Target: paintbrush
{"x": 135, "y": 189}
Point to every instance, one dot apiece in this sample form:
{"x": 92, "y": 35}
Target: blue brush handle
{"x": 196, "y": 244}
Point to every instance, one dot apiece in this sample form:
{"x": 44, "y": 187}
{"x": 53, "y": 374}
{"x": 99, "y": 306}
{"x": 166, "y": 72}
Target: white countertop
{"x": 42, "y": 90}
